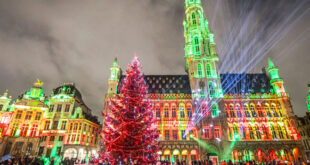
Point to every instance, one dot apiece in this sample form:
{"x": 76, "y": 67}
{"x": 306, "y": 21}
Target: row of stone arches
{"x": 176, "y": 154}
{"x": 268, "y": 155}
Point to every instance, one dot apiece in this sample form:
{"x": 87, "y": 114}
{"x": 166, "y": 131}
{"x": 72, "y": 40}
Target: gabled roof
{"x": 163, "y": 84}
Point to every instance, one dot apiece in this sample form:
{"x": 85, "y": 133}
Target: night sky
{"x": 76, "y": 41}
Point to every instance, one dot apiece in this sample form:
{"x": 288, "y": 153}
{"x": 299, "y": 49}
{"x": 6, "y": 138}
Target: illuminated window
{"x": 182, "y": 113}
{"x": 183, "y": 134}
{"x": 67, "y": 108}
{"x": 267, "y": 110}
{"x": 52, "y": 138}
{"x": 166, "y": 111}
{"x": 260, "y": 112}
{"x": 207, "y": 132}
{"x": 47, "y": 125}
{"x": 204, "y": 109}
{"x": 208, "y": 69}
{"x": 199, "y": 70}
{"x": 279, "y": 109}
{"x": 237, "y": 108}
{"x": 214, "y": 110}
{"x": 19, "y": 114}
{"x": 197, "y": 46}
{"x": 63, "y": 125}
{"x": 236, "y": 133}
{"x": 24, "y": 130}
{"x": 265, "y": 132}
{"x": 251, "y": 133}
{"x": 194, "y": 18}
{"x": 59, "y": 106}
{"x": 75, "y": 126}
{"x": 246, "y": 110}
{"x": 258, "y": 134}
{"x": 51, "y": 109}
{"x": 14, "y": 129}
{"x": 55, "y": 125}
{"x": 280, "y": 132}
{"x": 189, "y": 110}
{"x": 217, "y": 133}
{"x": 38, "y": 116}
{"x": 252, "y": 109}
{"x": 231, "y": 110}
{"x": 174, "y": 134}
{"x": 211, "y": 90}
{"x": 60, "y": 138}
{"x": 242, "y": 132}
{"x": 28, "y": 115}
{"x": 273, "y": 132}
{"x": 174, "y": 112}
{"x": 157, "y": 112}
{"x": 274, "y": 111}
{"x": 1, "y": 106}
{"x": 167, "y": 135}
{"x": 33, "y": 130}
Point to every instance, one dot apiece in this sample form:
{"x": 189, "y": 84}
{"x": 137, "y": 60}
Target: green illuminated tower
{"x": 275, "y": 80}
{"x": 200, "y": 54}
{"x": 308, "y": 98}
{"x": 36, "y": 92}
{"x": 115, "y": 74}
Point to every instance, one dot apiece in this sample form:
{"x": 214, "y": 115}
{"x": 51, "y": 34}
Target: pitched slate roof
{"x": 245, "y": 83}
{"x": 163, "y": 84}
{"x": 231, "y": 83}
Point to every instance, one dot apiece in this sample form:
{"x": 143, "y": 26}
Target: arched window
{"x": 236, "y": 133}
{"x": 199, "y": 70}
{"x": 279, "y": 109}
{"x": 166, "y": 111}
{"x": 258, "y": 134}
{"x": 204, "y": 109}
{"x": 231, "y": 111}
{"x": 252, "y": 109}
{"x": 208, "y": 70}
{"x": 273, "y": 132}
{"x": 274, "y": 110}
{"x": 246, "y": 110}
{"x": 189, "y": 110}
{"x": 157, "y": 111}
{"x": 281, "y": 136}
{"x": 173, "y": 111}
{"x": 242, "y": 132}
{"x": 265, "y": 132}
{"x": 237, "y": 108}
{"x": 214, "y": 110}
{"x": 197, "y": 45}
{"x": 211, "y": 90}
{"x": 251, "y": 133}
{"x": 267, "y": 110}
{"x": 181, "y": 109}
{"x": 194, "y": 18}
{"x": 259, "y": 109}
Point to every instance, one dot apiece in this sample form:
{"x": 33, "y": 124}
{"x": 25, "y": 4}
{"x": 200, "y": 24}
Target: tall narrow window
{"x": 38, "y": 116}
{"x": 274, "y": 111}
{"x": 259, "y": 109}
{"x": 47, "y": 125}
{"x": 267, "y": 110}
{"x": 252, "y": 109}
{"x": 182, "y": 113}
{"x": 197, "y": 46}
{"x": 199, "y": 70}
{"x": 59, "y": 106}
{"x": 273, "y": 132}
{"x": 174, "y": 134}
{"x": 63, "y": 125}
{"x": 208, "y": 70}
{"x": 251, "y": 133}
{"x": 158, "y": 112}
{"x": 174, "y": 111}
{"x": 183, "y": 134}
{"x": 28, "y": 115}
{"x": 217, "y": 133}
{"x": 204, "y": 109}
{"x": 19, "y": 114}
{"x": 67, "y": 108}
{"x": 55, "y": 125}
{"x": 189, "y": 110}
{"x": 194, "y": 18}
{"x": 211, "y": 90}
{"x": 258, "y": 134}
{"x": 51, "y": 109}
{"x": 246, "y": 110}
{"x": 167, "y": 135}
{"x": 231, "y": 111}
{"x": 214, "y": 110}
{"x": 239, "y": 114}
{"x": 166, "y": 111}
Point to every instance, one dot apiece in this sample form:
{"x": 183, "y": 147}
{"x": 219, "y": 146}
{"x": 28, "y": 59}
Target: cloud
{"x": 76, "y": 41}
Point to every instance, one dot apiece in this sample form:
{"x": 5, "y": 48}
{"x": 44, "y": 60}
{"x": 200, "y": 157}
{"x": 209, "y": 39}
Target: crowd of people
{"x": 28, "y": 160}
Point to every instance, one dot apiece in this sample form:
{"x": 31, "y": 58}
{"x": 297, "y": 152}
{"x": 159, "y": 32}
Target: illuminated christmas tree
{"x": 130, "y": 132}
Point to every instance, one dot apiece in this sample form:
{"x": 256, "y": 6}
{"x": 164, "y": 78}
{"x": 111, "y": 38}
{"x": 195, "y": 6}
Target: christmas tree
{"x": 130, "y": 132}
